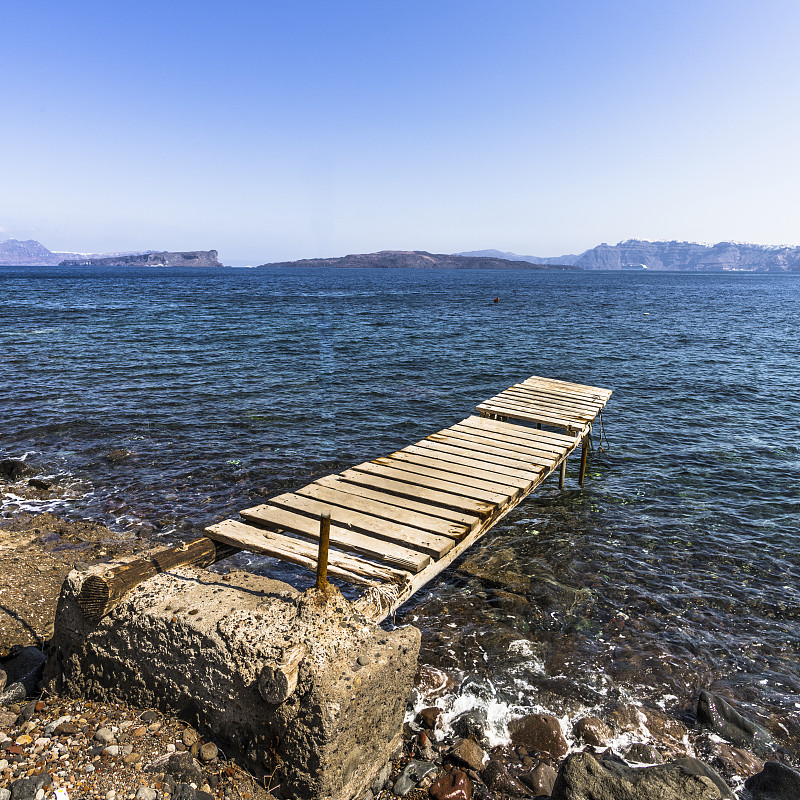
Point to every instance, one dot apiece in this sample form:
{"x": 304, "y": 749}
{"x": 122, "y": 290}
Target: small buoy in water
{"x": 497, "y": 299}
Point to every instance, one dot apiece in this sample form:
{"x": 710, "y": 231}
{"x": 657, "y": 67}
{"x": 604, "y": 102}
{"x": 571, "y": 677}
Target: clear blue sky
{"x": 292, "y": 129}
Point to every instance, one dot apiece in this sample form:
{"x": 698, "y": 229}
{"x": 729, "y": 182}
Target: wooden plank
{"x": 451, "y": 471}
{"x": 556, "y": 395}
{"x": 431, "y": 479}
{"x": 471, "y": 441}
{"x": 554, "y": 401}
{"x": 530, "y": 416}
{"x": 521, "y": 431}
{"x": 566, "y": 385}
{"x": 524, "y": 449}
{"x": 384, "y": 496}
{"x": 388, "y": 552}
{"x": 380, "y": 505}
{"x": 352, "y": 519}
{"x": 297, "y": 551}
{"x": 574, "y": 389}
{"x": 457, "y": 501}
{"x": 457, "y": 454}
{"x": 521, "y": 405}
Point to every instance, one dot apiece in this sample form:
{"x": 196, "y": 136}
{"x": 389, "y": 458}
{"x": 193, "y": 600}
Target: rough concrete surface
{"x": 195, "y": 643}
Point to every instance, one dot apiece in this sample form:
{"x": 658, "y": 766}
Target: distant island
{"x": 192, "y": 258}
{"x": 638, "y": 254}
{"x": 30, "y": 253}
{"x": 416, "y": 259}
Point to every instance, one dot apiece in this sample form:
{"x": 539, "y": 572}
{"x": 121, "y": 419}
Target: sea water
{"x": 676, "y": 568}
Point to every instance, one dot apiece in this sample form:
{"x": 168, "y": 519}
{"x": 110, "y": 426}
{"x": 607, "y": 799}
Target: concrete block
{"x": 197, "y": 645}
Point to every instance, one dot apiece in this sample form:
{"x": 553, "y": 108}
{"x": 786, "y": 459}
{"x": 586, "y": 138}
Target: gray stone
{"x": 23, "y": 673}
{"x": 146, "y": 793}
{"x": 775, "y": 782}
{"x": 540, "y": 780}
{"x": 208, "y": 752}
{"x": 13, "y": 469}
{"x": 3, "y": 680}
{"x": 412, "y": 774}
{"x": 381, "y": 777}
{"x": 641, "y": 753}
{"x": 50, "y": 728}
{"x": 471, "y": 725}
{"x": 500, "y": 780}
{"x": 183, "y": 791}
{"x": 191, "y": 643}
{"x": 583, "y": 777}
{"x": 5, "y": 794}
{"x": 719, "y": 716}
{"x": 26, "y": 788}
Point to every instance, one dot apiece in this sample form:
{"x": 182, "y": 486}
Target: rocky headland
{"x": 191, "y": 258}
{"x": 413, "y": 259}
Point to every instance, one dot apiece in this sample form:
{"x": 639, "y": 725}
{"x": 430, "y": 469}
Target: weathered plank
{"x": 505, "y": 410}
{"x": 446, "y": 501}
{"x": 448, "y": 470}
{"x": 544, "y": 453}
{"x": 377, "y": 506}
{"x": 460, "y": 455}
{"x": 544, "y": 412}
{"x": 542, "y": 398}
{"x": 522, "y": 432}
{"x": 528, "y": 459}
{"x": 568, "y": 389}
{"x": 387, "y": 552}
{"x": 385, "y": 496}
{"x": 298, "y": 551}
{"x": 374, "y": 526}
{"x": 434, "y": 479}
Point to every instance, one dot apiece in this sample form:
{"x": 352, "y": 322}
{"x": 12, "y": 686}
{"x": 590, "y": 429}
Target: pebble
{"x": 189, "y": 737}
{"x": 145, "y": 793}
{"x": 208, "y": 752}
{"x": 104, "y": 735}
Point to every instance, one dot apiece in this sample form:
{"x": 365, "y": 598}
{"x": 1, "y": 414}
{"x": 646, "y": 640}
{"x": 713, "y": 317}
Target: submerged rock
{"x": 540, "y": 732}
{"x": 775, "y": 782}
{"x": 412, "y": 774}
{"x": 719, "y": 716}
{"x": 13, "y": 469}
{"x": 540, "y": 780}
{"x": 592, "y": 730}
{"x": 583, "y": 777}
{"x": 499, "y": 779}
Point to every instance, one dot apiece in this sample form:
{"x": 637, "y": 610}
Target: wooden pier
{"x": 398, "y": 521}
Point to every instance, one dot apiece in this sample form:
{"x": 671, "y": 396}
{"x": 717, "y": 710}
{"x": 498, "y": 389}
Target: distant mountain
{"x": 192, "y": 258}
{"x": 30, "y": 253}
{"x": 637, "y": 254}
{"x": 568, "y": 259}
{"x": 416, "y": 259}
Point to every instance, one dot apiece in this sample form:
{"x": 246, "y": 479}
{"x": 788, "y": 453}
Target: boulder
{"x": 539, "y": 732}
{"x": 643, "y": 754}
{"x": 592, "y": 730}
{"x": 540, "y": 780}
{"x": 12, "y": 469}
{"x": 499, "y": 779}
{"x": 469, "y": 753}
{"x": 453, "y": 785}
{"x": 775, "y": 782}
{"x": 583, "y": 777}
{"x": 203, "y": 647}
{"x": 723, "y": 719}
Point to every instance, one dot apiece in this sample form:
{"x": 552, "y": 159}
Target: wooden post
{"x": 322, "y": 558}
{"x": 562, "y": 475}
{"x": 584, "y": 455}
{"x": 101, "y": 593}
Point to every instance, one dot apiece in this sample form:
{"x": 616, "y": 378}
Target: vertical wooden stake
{"x": 584, "y": 455}
{"x": 322, "y": 557}
{"x": 562, "y": 477}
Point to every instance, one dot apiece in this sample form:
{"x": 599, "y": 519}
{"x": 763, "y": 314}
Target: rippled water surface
{"x": 677, "y": 567}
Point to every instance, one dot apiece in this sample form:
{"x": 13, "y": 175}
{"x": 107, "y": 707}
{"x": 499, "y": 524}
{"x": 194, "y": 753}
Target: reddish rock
{"x": 738, "y": 761}
{"x": 540, "y": 732}
{"x": 428, "y": 717}
{"x": 469, "y": 753}
{"x": 499, "y": 779}
{"x": 454, "y": 785}
{"x": 665, "y": 728}
{"x": 592, "y": 730}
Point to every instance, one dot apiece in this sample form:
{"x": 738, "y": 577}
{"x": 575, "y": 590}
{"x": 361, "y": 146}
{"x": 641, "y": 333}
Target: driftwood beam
{"x": 101, "y": 593}
{"x": 277, "y": 683}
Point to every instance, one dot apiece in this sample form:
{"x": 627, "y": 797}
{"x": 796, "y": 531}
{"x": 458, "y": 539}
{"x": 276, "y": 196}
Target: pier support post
{"x": 324, "y": 543}
{"x": 584, "y": 456}
{"x": 562, "y": 474}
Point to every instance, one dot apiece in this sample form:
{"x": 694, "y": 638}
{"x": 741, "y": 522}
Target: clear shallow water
{"x": 678, "y": 566}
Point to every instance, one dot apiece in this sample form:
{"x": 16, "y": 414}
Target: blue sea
{"x": 676, "y": 568}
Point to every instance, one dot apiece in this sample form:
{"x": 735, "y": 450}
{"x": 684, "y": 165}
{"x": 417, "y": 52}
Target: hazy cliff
{"x": 193, "y": 258}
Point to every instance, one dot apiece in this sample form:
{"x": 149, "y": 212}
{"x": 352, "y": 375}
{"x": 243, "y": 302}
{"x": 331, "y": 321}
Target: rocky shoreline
{"x": 57, "y": 747}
